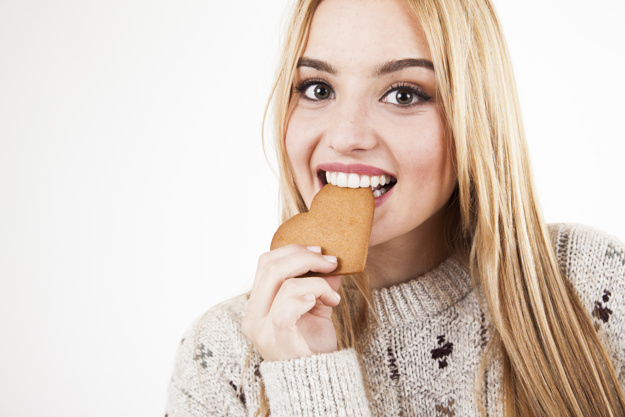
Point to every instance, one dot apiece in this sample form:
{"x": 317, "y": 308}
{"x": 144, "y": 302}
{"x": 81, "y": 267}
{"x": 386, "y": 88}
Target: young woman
{"x": 470, "y": 304}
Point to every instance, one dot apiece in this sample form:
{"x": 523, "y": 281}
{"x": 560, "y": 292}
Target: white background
{"x": 134, "y": 193}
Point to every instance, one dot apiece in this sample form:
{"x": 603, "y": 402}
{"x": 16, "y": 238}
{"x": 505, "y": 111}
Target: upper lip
{"x": 360, "y": 169}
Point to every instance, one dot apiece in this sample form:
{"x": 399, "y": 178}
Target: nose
{"x": 350, "y": 129}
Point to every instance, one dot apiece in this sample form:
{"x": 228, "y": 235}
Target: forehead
{"x": 365, "y": 32}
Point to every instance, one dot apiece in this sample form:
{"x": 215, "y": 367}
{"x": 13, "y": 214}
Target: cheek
{"x": 427, "y": 153}
{"x": 290, "y": 146}
{"x": 428, "y": 164}
{"x": 300, "y": 144}
{"x": 303, "y": 133}
{"x": 438, "y": 158}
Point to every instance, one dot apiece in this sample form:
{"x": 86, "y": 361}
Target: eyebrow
{"x": 379, "y": 70}
{"x": 400, "y": 64}
{"x": 316, "y": 64}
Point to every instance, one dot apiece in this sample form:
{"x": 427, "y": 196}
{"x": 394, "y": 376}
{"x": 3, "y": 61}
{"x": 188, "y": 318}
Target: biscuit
{"x": 339, "y": 221}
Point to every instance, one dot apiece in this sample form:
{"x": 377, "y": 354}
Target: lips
{"x": 356, "y": 176}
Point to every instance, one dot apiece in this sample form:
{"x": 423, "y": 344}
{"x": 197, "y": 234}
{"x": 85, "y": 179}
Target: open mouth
{"x": 379, "y": 184}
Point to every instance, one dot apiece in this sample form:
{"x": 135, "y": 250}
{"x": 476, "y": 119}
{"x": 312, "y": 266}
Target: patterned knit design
{"x": 421, "y": 358}
{"x": 595, "y": 264}
{"x": 425, "y": 325}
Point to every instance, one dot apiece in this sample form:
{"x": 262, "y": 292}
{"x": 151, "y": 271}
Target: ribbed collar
{"x": 424, "y": 297}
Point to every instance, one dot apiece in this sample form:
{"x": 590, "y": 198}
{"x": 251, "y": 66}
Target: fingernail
{"x": 330, "y": 258}
{"x": 338, "y": 296}
{"x": 309, "y": 297}
{"x": 316, "y": 249}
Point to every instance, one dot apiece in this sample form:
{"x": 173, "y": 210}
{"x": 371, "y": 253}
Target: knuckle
{"x": 294, "y": 247}
{"x": 289, "y": 285}
{"x": 266, "y": 268}
{"x": 317, "y": 281}
{"x": 279, "y": 321}
{"x": 320, "y": 283}
{"x": 263, "y": 260}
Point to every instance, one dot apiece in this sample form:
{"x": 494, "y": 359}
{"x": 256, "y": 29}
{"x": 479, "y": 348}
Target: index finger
{"x": 277, "y": 266}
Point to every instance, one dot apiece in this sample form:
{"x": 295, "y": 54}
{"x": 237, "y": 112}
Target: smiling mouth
{"x": 379, "y": 184}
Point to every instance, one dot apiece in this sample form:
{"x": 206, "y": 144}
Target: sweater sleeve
{"x": 594, "y": 263}
{"x": 322, "y": 385}
{"x": 209, "y": 367}
{"x": 217, "y": 373}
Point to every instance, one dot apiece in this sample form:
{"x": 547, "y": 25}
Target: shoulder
{"x": 589, "y": 258}
{"x": 217, "y": 332}
{"x": 221, "y": 324}
{"x": 594, "y": 263}
{"x": 211, "y": 361}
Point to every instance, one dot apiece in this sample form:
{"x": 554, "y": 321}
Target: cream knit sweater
{"x": 422, "y": 359}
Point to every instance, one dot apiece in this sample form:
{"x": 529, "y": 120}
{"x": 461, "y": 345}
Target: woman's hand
{"x": 287, "y": 317}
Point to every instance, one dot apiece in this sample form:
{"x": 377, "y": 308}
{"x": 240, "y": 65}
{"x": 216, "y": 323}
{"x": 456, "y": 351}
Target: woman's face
{"x": 365, "y": 104}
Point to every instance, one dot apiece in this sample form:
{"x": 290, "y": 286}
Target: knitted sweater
{"x": 422, "y": 358}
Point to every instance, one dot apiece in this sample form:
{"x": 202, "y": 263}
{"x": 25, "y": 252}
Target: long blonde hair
{"x": 554, "y": 363}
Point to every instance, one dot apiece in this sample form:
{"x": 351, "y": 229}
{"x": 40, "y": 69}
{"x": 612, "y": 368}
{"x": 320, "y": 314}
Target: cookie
{"x": 339, "y": 221}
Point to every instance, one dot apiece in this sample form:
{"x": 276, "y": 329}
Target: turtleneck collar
{"x": 424, "y": 297}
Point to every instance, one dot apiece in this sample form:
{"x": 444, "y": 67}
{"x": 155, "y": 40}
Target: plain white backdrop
{"x": 134, "y": 193}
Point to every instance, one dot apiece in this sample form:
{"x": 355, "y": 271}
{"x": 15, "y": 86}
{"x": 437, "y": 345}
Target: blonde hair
{"x": 554, "y": 363}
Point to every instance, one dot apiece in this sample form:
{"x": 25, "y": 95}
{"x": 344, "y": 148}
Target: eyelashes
{"x": 401, "y": 94}
{"x": 304, "y": 88}
{"x": 405, "y": 94}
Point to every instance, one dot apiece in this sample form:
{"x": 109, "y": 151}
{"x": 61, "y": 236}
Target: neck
{"x": 408, "y": 256}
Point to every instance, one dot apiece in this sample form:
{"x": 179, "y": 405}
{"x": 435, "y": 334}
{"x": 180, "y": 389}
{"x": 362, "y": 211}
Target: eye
{"x": 314, "y": 90}
{"x": 405, "y": 95}
{"x": 317, "y": 91}
{"x": 401, "y": 97}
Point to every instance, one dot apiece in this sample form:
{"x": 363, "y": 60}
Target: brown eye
{"x": 317, "y": 91}
{"x": 403, "y": 97}
{"x": 321, "y": 91}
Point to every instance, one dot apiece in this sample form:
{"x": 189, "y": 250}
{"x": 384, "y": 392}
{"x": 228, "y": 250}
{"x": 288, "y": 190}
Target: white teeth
{"x": 353, "y": 181}
{"x": 341, "y": 179}
{"x": 379, "y": 192}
